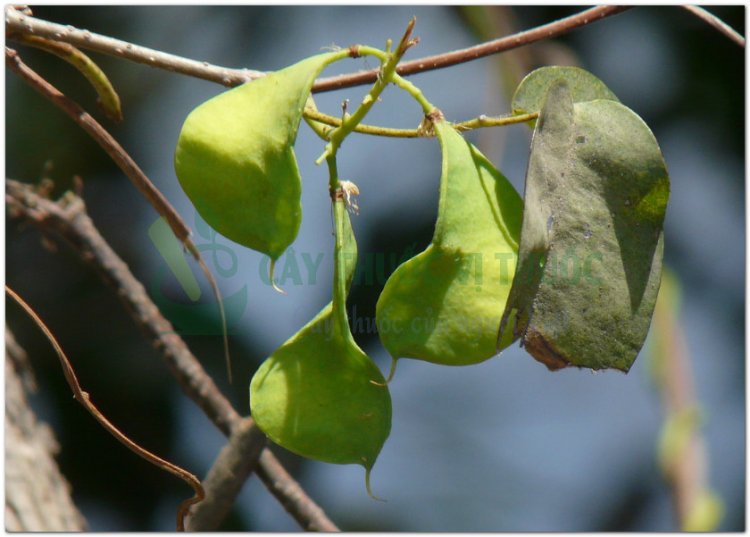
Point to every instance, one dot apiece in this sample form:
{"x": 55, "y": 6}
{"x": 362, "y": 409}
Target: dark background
{"x": 500, "y": 446}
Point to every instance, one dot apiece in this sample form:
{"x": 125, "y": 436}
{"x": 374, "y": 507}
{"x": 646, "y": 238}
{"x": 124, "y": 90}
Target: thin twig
{"x": 389, "y": 62}
{"x": 67, "y": 217}
{"x": 85, "y": 400}
{"x": 18, "y": 22}
{"x": 129, "y": 167}
{"x": 717, "y": 23}
{"x": 333, "y": 121}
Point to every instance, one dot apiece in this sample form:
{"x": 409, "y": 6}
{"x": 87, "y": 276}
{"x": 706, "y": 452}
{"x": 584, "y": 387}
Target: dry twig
{"x": 105, "y": 140}
{"x": 20, "y": 23}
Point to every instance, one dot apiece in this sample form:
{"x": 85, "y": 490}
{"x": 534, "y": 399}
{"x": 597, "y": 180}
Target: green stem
{"x": 333, "y": 174}
{"x": 322, "y": 124}
{"x": 415, "y": 92}
{"x": 339, "y": 279}
{"x": 501, "y": 121}
{"x": 315, "y": 120}
{"x": 349, "y": 123}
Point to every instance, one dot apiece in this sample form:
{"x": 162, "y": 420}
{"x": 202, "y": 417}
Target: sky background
{"x": 500, "y": 446}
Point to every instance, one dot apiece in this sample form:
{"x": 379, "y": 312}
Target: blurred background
{"x": 500, "y": 446}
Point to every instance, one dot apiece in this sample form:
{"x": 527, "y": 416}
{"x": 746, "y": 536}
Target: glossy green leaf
{"x": 591, "y": 246}
{"x": 318, "y": 394}
{"x": 583, "y": 86}
{"x": 235, "y": 158}
{"x": 444, "y": 305}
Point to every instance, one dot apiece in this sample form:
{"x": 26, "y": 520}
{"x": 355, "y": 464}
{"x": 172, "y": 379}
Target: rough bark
{"x": 37, "y": 496}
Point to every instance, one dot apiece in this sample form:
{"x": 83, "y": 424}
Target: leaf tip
{"x": 392, "y": 372}
{"x": 368, "y": 470}
{"x": 273, "y": 282}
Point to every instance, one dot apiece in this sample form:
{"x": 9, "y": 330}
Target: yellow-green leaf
{"x": 444, "y": 305}
{"x": 319, "y": 395}
{"x": 235, "y": 157}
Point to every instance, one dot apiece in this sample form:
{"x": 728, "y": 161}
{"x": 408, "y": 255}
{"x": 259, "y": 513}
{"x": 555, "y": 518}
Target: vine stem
{"x": 18, "y": 22}
{"x": 85, "y": 400}
{"x": 374, "y": 130}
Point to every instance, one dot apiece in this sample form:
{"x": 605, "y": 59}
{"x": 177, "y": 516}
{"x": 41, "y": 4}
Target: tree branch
{"x": 37, "y": 496}
{"x": 67, "y": 218}
{"x": 717, "y": 23}
{"x": 19, "y": 23}
{"x": 447, "y": 59}
{"x": 16, "y": 22}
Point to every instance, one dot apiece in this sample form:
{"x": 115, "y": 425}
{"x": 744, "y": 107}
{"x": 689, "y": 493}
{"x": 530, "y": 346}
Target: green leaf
{"x": 444, "y": 305}
{"x": 235, "y": 157}
{"x": 591, "y": 246}
{"x": 583, "y": 86}
{"x": 318, "y": 394}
